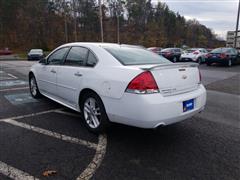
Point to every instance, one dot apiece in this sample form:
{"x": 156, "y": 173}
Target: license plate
{"x": 188, "y": 105}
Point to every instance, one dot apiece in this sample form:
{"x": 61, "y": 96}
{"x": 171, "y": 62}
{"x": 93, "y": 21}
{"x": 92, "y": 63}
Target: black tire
{"x": 34, "y": 92}
{"x": 229, "y": 63}
{"x": 199, "y": 60}
{"x": 174, "y": 59}
{"x": 102, "y": 118}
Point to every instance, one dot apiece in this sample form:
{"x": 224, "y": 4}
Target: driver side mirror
{"x": 43, "y": 61}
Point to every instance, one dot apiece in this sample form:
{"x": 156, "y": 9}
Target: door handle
{"x": 53, "y": 71}
{"x": 77, "y": 74}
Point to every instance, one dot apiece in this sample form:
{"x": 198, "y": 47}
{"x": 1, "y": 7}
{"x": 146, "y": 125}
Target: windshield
{"x": 191, "y": 50}
{"x": 36, "y": 51}
{"x": 135, "y": 56}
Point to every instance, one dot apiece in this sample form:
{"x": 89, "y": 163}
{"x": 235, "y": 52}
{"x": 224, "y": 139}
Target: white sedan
{"x": 119, "y": 83}
{"x": 195, "y": 54}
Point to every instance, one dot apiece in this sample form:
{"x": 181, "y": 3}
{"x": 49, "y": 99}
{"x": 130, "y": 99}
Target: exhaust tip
{"x": 160, "y": 125}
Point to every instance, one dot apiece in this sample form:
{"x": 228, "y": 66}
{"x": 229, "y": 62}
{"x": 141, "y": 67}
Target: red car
{"x": 156, "y": 50}
{"x": 5, "y": 51}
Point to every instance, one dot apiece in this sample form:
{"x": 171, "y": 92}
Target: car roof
{"x": 101, "y": 44}
{"x": 36, "y": 50}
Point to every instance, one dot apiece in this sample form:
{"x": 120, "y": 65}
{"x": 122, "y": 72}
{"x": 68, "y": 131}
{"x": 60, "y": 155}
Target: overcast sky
{"x": 219, "y": 15}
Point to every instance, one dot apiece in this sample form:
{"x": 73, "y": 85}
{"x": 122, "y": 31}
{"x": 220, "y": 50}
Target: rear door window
{"x": 77, "y": 56}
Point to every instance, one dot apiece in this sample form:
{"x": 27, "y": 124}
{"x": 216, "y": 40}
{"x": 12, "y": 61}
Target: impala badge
{"x": 184, "y": 77}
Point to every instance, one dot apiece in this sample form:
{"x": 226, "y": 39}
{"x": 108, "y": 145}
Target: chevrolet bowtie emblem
{"x": 184, "y": 77}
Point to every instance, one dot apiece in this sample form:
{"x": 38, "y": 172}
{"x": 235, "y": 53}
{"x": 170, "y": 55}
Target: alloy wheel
{"x": 33, "y": 86}
{"x": 92, "y": 113}
{"x": 229, "y": 63}
{"x": 174, "y": 59}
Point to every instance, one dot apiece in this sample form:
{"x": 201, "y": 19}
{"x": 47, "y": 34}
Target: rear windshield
{"x": 220, "y": 50}
{"x": 135, "y": 56}
{"x": 167, "y": 50}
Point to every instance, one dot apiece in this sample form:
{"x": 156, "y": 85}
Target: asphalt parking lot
{"x": 39, "y": 136}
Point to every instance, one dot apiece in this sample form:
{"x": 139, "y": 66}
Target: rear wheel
{"x": 229, "y": 63}
{"x": 33, "y": 87}
{"x": 93, "y": 113}
{"x": 174, "y": 59}
{"x": 199, "y": 60}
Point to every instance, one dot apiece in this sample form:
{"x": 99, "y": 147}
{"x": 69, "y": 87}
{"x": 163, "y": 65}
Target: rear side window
{"x": 92, "y": 60}
{"x": 135, "y": 56}
{"x": 77, "y": 56}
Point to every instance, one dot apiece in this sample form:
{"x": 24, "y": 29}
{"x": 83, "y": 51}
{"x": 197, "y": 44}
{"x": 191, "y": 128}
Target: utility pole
{"x": 101, "y": 19}
{"x": 75, "y": 20}
{"x": 118, "y": 33}
{"x": 236, "y": 32}
{"x": 66, "y": 27}
{"x": 65, "y": 22}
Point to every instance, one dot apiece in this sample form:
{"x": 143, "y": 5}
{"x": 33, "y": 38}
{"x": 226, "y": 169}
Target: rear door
{"x": 47, "y": 74}
{"x": 71, "y": 74}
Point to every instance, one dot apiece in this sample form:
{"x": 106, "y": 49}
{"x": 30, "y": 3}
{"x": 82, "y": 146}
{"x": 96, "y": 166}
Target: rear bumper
{"x": 215, "y": 60}
{"x": 151, "y": 111}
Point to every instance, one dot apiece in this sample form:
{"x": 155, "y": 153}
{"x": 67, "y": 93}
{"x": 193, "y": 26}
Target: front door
{"x": 47, "y": 74}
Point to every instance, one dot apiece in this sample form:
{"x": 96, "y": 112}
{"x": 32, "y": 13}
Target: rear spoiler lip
{"x": 171, "y": 66}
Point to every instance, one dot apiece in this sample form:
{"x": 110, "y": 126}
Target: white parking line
{"x": 14, "y": 173}
{"x": 97, "y": 160}
{"x": 51, "y": 133}
{"x": 13, "y": 77}
{"x": 100, "y": 148}
{"x": 14, "y": 89}
{"x": 33, "y": 114}
{"x": 68, "y": 113}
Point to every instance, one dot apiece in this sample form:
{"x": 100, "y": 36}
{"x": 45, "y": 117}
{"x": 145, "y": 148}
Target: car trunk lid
{"x": 175, "y": 78}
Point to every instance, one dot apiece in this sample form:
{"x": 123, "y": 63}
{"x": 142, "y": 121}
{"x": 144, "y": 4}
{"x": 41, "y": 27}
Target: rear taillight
{"x": 209, "y": 55}
{"x": 200, "y": 76}
{"x": 222, "y": 56}
{"x": 195, "y": 52}
{"x": 144, "y": 83}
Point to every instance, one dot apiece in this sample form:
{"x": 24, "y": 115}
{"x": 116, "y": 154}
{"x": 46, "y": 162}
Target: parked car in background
{"x": 35, "y": 54}
{"x": 145, "y": 91}
{"x": 156, "y": 50}
{"x": 226, "y": 56}
{"x": 194, "y": 54}
{"x": 134, "y": 46}
{"x": 172, "y": 54}
{"x": 5, "y": 51}
{"x": 209, "y": 49}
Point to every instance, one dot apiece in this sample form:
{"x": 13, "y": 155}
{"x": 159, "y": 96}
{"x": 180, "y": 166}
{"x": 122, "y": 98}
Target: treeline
{"x": 46, "y": 24}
